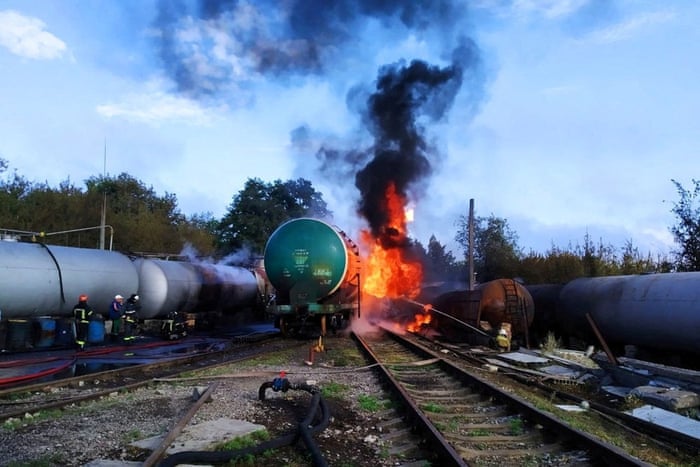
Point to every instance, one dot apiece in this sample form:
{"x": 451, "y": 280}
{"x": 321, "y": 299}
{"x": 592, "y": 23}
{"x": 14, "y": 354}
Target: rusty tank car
{"x": 483, "y": 311}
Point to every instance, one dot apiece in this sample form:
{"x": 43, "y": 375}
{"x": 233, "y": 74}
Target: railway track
{"x": 18, "y": 400}
{"x": 468, "y": 420}
{"x": 567, "y": 391}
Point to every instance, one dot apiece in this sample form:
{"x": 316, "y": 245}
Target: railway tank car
{"x": 653, "y": 311}
{"x": 314, "y": 270}
{"x": 40, "y": 284}
{"x": 39, "y": 280}
{"x": 188, "y": 287}
{"x": 484, "y": 310}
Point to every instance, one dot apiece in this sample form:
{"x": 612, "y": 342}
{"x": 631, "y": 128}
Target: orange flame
{"x": 387, "y": 272}
{"x": 418, "y": 321}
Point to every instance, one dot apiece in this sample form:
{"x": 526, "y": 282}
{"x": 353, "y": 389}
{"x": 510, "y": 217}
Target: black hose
{"x": 305, "y": 431}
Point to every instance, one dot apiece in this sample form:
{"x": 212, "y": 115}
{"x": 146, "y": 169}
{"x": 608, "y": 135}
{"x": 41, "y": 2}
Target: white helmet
{"x": 118, "y": 297}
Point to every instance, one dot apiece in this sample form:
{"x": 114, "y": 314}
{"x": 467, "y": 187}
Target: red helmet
{"x": 83, "y": 298}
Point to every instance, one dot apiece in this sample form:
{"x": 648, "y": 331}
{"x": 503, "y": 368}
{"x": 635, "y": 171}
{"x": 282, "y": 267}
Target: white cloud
{"x": 550, "y": 9}
{"x": 157, "y": 108}
{"x": 627, "y": 29}
{"x": 26, "y": 36}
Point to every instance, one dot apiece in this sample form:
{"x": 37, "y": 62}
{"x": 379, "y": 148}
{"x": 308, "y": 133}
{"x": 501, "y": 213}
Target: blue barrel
{"x": 96, "y": 331}
{"x": 46, "y": 332}
{"x": 65, "y": 332}
{"x": 18, "y": 334}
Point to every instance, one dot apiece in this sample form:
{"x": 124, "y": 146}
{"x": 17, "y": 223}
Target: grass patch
{"x": 333, "y": 390}
{"x": 14, "y": 423}
{"x": 18, "y": 396}
{"x": 433, "y": 407}
{"x": 517, "y": 427}
{"x": 345, "y": 356}
{"x": 133, "y": 435}
{"x": 243, "y": 442}
{"x": 368, "y": 403}
{"x": 550, "y": 344}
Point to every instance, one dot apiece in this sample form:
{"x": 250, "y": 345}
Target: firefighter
{"x": 174, "y": 326}
{"x": 116, "y": 310}
{"x": 503, "y": 340}
{"x": 82, "y": 313}
{"x": 130, "y": 308}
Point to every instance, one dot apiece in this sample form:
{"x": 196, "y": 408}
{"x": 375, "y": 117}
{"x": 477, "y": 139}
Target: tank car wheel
{"x": 283, "y": 326}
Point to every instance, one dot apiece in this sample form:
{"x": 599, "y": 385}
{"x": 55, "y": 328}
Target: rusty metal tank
{"x": 498, "y": 301}
{"x": 40, "y": 280}
{"x": 506, "y": 301}
{"x": 658, "y": 311}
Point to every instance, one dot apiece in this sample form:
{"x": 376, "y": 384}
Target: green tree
{"x": 496, "y": 251}
{"x": 13, "y": 191}
{"x": 686, "y": 232}
{"x": 439, "y": 264}
{"x": 143, "y": 222}
{"x": 258, "y": 209}
{"x": 599, "y": 260}
{"x": 199, "y": 231}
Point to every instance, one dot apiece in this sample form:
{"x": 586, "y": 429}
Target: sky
{"x": 567, "y": 118}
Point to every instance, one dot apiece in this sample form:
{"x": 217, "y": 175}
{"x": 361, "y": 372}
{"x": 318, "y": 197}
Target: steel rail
{"x": 445, "y": 452}
{"x": 604, "y": 452}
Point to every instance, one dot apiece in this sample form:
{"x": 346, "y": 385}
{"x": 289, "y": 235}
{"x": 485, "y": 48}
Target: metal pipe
{"x": 428, "y": 307}
{"x": 111, "y": 234}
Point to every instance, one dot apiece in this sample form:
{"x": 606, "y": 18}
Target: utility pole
{"x": 470, "y": 246}
{"x": 103, "y": 222}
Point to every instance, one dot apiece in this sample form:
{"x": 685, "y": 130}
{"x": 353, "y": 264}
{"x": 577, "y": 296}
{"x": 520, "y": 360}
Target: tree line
{"x": 142, "y": 222}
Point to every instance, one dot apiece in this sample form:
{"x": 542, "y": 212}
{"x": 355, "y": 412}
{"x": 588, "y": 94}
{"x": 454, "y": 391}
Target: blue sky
{"x": 571, "y": 118}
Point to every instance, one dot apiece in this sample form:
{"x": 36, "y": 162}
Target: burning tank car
{"x": 314, "y": 271}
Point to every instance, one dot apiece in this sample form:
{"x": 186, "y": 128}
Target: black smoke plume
{"x": 211, "y": 46}
{"x": 405, "y": 97}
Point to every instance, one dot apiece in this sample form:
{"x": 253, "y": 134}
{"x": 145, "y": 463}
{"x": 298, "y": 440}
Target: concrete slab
{"x": 558, "y": 370}
{"x": 671, "y": 399}
{"x": 619, "y": 391}
{"x": 667, "y": 419}
{"x": 571, "y": 408}
{"x": 203, "y": 436}
{"x": 523, "y": 358}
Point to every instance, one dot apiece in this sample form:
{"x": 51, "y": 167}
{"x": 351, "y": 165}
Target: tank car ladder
{"x": 516, "y": 308}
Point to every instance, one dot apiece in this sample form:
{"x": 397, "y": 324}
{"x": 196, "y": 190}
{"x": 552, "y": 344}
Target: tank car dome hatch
{"x": 307, "y": 257}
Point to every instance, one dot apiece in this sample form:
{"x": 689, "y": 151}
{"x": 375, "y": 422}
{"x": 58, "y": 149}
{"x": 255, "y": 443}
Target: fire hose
{"x": 305, "y": 431}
